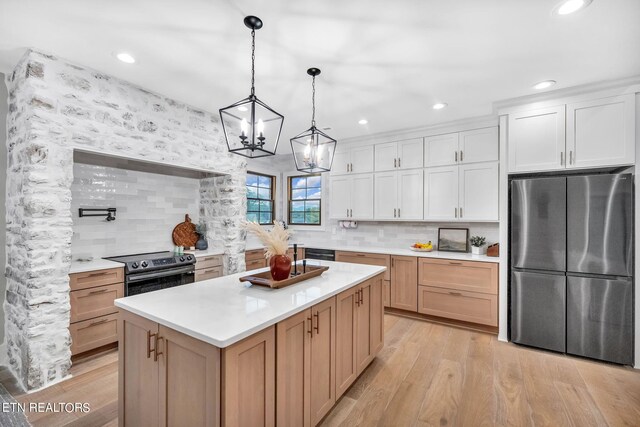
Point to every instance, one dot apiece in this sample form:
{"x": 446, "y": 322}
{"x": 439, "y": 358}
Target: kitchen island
{"x": 218, "y": 352}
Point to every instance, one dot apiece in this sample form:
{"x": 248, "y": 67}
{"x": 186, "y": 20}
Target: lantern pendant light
{"x": 313, "y": 149}
{"x": 251, "y": 128}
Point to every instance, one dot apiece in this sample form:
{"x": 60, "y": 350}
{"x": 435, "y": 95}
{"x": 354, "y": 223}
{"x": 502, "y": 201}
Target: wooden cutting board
{"x": 184, "y": 234}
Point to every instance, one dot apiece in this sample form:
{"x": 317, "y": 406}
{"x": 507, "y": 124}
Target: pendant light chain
{"x": 253, "y": 61}
{"x": 313, "y": 101}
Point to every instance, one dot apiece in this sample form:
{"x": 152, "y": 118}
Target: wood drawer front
{"x": 463, "y": 275}
{"x": 91, "y": 279}
{"x": 254, "y": 254}
{"x": 208, "y": 273}
{"x": 256, "y": 263}
{"x": 94, "y": 302}
{"x": 461, "y": 305}
{"x": 300, "y": 253}
{"x": 368, "y": 259}
{"x": 208, "y": 261}
{"x": 93, "y": 333}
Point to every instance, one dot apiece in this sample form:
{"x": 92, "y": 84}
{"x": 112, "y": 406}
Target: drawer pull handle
{"x": 99, "y": 322}
{"x": 210, "y": 271}
{"x": 455, "y": 294}
{"x": 101, "y": 291}
{"x": 317, "y": 327}
{"x": 360, "y": 255}
{"x": 157, "y": 353}
{"x": 149, "y": 349}
{"x": 309, "y": 331}
{"x": 102, "y": 273}
{"x": 455, "y": 263}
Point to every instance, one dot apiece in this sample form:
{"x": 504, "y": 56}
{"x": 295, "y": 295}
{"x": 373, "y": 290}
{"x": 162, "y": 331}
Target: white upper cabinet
{"x": 399, "y": 155}
{"x": 353, "y": 160}
{"x": 601, "y": 132}
{"x": 478, "y": 192}
{"x": 441, "y": 193}
{"x": 536, "y": 140}
{"x": 351, "y": 197}
{"x": 399, "y": 195}
{"x": 441, "y": 150}
{"x": 480, "y": 145}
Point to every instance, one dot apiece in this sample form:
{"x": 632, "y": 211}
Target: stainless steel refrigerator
{"x": 571, "y": 284}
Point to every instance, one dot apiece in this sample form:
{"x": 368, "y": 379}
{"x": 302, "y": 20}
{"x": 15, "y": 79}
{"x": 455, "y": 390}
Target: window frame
{"x": 290, "y": 199}
{"x": 272, "y": 197}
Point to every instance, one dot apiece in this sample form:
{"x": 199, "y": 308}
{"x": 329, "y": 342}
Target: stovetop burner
{"x": 140, "y": 263}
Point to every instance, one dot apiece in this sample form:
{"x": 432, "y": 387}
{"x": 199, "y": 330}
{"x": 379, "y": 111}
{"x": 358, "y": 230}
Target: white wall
{"x": 149, "y": 206}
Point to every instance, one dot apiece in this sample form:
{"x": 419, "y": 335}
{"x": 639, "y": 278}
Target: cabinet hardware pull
{"x": 356, "y": 299}
{"x": 395, "y": 163}
{"x": 98, "y": 322}
{"x": 455, "y": 212}
{"x": 98, "y": 292}
{"x": 360, "y": 255}
{"x": 456, "y": 294}
{"x": 460, "y": 212}
{"x": 398, "y": 161}
{"x": 102, "y": 273}
{"x": 149, "y": 349}
{"x": 351, "y": 169}
{"x": 456, "y": 155}
{"x": 347, "y": 213}
{"x": 398, "y": 212}
{"x": 157, "y": 353}
{"x": 394, "y": 212}
{"x": 561, "y": 158}
{"x": 317, "y": 327}
{"x": 460, "y": 155}
{"x": 351, "y": 213}
{"x": 210, "y": 271}
{"x": 310, "y": 323}
{"x": 571, "y": 157}
{"x": 455, "y": 263}
{"x": 361, "y": 296}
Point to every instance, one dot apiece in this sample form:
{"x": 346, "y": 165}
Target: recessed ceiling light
{"x": 571, "y": 6}
{"x": 125, "y": 57}
{"x": 439, "y": 106}
{"x": 363, "y": 121}
{"x": 243, "y": 108}
{"x": 545, "y": 84}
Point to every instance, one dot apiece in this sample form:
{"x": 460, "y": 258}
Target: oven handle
{"x": 163, "y": 273}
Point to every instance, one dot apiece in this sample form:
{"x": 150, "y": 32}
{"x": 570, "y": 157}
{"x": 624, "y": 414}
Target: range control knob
{"x": 134, "y": 265}
{"x": 144, "y": 264}
{"x": 181, "y": 259}
{"x": 189, "y": 258}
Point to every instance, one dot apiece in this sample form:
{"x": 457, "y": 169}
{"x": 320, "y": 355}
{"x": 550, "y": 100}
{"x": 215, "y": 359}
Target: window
{"x": 305, "y": 194}
{"x": 260, "y": 191}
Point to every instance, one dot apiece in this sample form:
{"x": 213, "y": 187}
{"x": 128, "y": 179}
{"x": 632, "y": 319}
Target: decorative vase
{"x": 280, "y": 266}
{"x": 478, "y": 250}
{"x": 202, "y": 244}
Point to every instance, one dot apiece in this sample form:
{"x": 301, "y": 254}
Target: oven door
{"x": 155, "y": 280}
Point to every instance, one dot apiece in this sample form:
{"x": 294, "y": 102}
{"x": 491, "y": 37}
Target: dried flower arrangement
{"x": 275, "y": 241}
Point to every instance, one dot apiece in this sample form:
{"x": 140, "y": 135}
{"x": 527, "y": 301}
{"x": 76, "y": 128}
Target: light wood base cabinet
{"x": 404, "y": 283}
{"x": 471, "y": 307}
{"x": 209, "y": 267}
{"x": 382, "y": 260}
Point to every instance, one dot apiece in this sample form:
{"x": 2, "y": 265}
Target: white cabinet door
{"x": 479, "y": 145}
{"x": 441, "y": 193}
{"x": 362, "y": 159}
{"x": 386, "y": 157}
{"x": 441, "y": 150}
{"x": 410, "y": 153}
{"x": 386, "y": 195}
{"x": 537, "y": 140}
{"x": 601, "y": 132}
{"x": 341, "y": 160}
{"x": 361, "y": 189}
{"x": 410, "y": 194}
{"x": 339, "y": 197}
{"x": 478, "y": 194}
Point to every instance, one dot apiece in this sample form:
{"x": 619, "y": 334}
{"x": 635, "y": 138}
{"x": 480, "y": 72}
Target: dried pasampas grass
{"x": 275, "y": 241}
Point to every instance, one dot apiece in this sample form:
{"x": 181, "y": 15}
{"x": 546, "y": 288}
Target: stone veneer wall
{"x": 54, "y": 107}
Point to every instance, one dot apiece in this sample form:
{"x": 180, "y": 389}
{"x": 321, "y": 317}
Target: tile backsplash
{"x": 149, "y": 206}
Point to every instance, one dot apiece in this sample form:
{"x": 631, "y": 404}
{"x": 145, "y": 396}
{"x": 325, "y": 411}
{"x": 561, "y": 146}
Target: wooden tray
{"x": 264, "y": 278}
{"x": 184, "y": 234}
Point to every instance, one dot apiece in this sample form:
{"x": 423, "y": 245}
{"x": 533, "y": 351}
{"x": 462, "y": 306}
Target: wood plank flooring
{"x": 426, "y": 375}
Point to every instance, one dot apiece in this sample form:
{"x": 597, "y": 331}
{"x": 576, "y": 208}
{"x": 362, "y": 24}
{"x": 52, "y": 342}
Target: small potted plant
{"x": 478, "y": 246}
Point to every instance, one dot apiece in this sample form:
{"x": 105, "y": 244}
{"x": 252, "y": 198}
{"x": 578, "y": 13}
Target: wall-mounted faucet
{"x": 110, "y": 213}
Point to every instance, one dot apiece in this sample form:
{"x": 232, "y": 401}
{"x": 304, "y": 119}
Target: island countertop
{"x": 223, "y": 311}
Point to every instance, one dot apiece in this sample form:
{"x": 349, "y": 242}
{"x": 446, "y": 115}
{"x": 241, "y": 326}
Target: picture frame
{"x": 453, "y": 239}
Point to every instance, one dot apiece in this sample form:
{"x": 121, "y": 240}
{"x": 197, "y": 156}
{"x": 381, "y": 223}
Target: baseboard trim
{"x": 442, "y": 321}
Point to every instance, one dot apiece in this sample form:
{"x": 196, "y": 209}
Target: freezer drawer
{"x": 539, "y": 223}
{"x": 600, "y": 318}
{"x": 538, "y": 309}
{"x": 600, "y": 224}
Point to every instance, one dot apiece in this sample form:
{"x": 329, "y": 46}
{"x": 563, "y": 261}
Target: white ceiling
{"x": 384, "y": 60}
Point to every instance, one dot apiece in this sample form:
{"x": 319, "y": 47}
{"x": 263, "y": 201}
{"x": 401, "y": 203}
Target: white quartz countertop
{"x": 208, "y": 252}
{"x": 459, "y": 256}
{"x": 93, "y": 265}
{"x": 223, "y": 311}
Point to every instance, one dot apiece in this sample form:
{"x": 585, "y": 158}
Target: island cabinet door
{"x": 346, "y": 366}
{"x": 404, "y": 283}
{"x": 377, "y": 315}
{"x": 363, "y": 326}
{"x": 189, "y": 382}
{"x": 323, "y": 359}
{"x": 248, "y": 381}
{"x": 293, "y": 370}
{"x": 138, "y": 377}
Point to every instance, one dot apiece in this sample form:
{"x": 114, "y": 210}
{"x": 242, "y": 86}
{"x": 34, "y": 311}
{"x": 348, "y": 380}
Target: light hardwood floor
{"x": 427, "y": 374}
